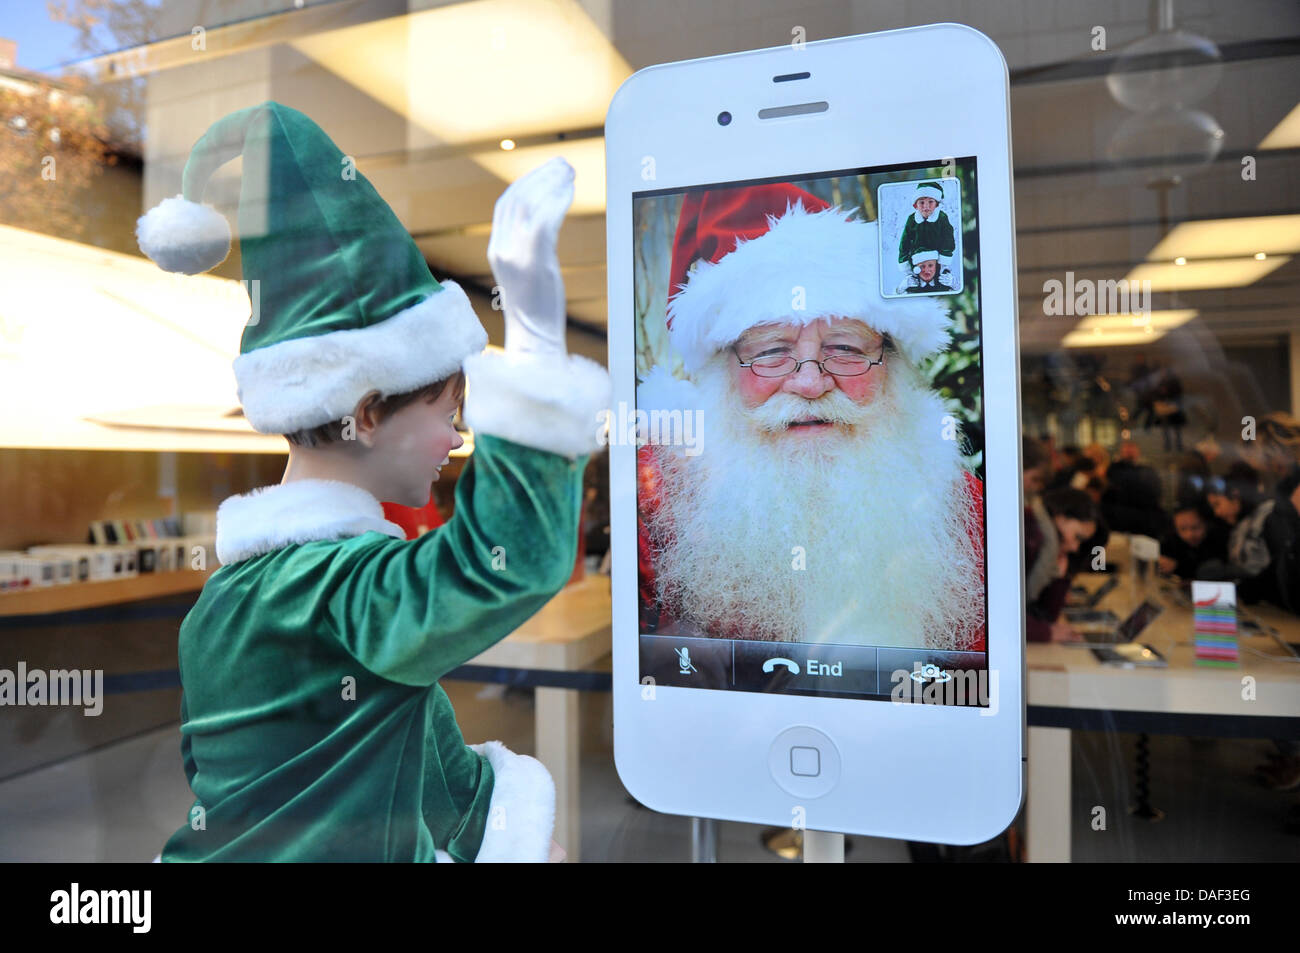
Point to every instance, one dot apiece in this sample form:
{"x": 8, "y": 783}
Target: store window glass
{"x": 1156, "y": 152}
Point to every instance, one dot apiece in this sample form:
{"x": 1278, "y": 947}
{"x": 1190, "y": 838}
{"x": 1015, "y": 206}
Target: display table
{"x": 561, "y": 650}
{"x": 93, "y": 595}
{"x": 1069, "y": 689}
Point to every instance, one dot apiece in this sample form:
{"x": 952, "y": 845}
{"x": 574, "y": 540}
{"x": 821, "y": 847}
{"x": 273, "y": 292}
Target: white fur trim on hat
{"x": 554, "y": 402}
{"x": 306, "y": 382}
{"x": 928, "y": 191}
{"x": 819, "y": 260}
{"x": 925, "y": 256}
{"x": 183, "y": 236}
{"x": 521, "y": 813}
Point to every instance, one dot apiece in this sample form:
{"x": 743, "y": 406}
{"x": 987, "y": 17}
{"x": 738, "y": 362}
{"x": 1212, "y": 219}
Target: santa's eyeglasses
{"x": 852, "y": 363}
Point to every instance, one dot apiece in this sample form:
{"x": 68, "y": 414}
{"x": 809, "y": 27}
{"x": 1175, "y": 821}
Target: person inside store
{"x": 1193, "y": 470}
{"x": 1057, "y": 526}
{"x": 1131, "y": 501}
{"x": 1281, "y": 536}
{"x": 1237, "y": 500}
{"x": 1196, "y": 536}
{"x": 1035, "y": 466}
{"x": 1277, "y": 449}
{"x": 1095, "y": 487}
{"x": 1281, "y": 772}
{"x": 1075, "y": 470}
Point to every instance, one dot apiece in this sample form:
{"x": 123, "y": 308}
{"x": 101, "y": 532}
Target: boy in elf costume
{"x": 927, "y": 279}
{"x": 313, "y": 725}
{"x": 927, "y": 229}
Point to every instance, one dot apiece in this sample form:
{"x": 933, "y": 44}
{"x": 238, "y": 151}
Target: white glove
{"x": 521, "y": 251}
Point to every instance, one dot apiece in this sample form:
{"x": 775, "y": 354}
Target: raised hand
{"x": 521, "y": 251}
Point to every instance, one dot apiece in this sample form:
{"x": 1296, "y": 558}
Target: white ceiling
{"x": 1073, "y": 212}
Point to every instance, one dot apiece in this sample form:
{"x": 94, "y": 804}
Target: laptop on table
{"x": 1102, "y": 632}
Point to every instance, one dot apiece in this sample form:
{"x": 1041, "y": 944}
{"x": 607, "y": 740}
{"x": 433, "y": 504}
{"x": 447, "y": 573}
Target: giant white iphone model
{"x": 815, "y": 439}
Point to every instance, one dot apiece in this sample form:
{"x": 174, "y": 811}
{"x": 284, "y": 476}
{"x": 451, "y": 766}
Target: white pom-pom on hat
{"x": 184, "y": 236}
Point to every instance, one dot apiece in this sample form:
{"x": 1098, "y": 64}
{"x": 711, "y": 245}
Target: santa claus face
{"x": 860, "y": 531}
{"x": 786, "y": 399}
{"x": 925, "y": 205}
{"x": 928, "y": 268}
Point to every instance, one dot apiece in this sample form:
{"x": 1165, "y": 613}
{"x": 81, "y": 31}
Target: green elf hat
{"x": 930, "y": 190}
{"x": 347, "y": 303}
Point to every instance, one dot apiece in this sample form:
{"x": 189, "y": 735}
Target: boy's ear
{"x": 367, "y": 418}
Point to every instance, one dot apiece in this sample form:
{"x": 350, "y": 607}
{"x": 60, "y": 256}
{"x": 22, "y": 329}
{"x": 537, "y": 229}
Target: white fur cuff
{"x": 552, "y": 402}
{"x": 521, "y": 814}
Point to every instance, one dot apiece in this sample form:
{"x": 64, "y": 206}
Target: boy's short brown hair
{"x": 332, "y": 432}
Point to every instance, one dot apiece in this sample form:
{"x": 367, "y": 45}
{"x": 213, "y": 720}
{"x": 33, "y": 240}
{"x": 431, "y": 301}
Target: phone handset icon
{"x": 790, "y": 665}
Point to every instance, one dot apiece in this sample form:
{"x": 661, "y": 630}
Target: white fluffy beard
{"x": 856, "y": 534}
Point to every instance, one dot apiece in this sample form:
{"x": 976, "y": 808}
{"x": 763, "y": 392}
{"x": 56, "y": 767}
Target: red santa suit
{"x": 415, "y": 521}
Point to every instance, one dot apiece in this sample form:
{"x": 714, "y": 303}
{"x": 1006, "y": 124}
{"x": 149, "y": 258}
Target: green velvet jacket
{"x": 923, "y": 235}
{"x": 313, "y": 726}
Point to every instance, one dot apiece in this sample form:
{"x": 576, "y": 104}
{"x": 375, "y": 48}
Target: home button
{"x": 804, "y": 762}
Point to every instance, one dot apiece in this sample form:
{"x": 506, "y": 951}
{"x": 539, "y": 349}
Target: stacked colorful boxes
{"x": 1215, "y": 623}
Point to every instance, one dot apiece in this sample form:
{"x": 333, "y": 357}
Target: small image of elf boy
{"x": 926, "y": 278}
{"x": 927, "y": 229}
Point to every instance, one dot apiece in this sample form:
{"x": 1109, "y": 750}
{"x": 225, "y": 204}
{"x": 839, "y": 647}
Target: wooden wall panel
{"x": 50, "y": 496}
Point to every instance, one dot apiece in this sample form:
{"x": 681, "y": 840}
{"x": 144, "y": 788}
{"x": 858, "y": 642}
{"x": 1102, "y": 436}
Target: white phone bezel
{"x": 920, "y": 772}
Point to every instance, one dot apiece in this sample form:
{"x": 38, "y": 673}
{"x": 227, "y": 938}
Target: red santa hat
{"x": 752, "y": 255}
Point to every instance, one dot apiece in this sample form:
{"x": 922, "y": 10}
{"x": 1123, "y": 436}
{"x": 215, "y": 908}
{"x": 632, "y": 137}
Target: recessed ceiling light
{"x": 507, "y": 144}
{"x": 1112, "y": 330}
{"x": 587, "y": 156}
{"x": 1260, "y": 256}
{"x": 1285, "y": 134}
{"x": 1212, "y": 273}
{"x": 1180, "y": 260}
{"x": 1230, "y": 238}
{"x": 513, "y": 66}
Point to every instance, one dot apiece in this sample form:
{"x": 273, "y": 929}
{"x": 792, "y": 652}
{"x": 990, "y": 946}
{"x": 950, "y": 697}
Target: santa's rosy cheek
{"x": 754, "y": 389}
{"x": 863, "y": 388}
